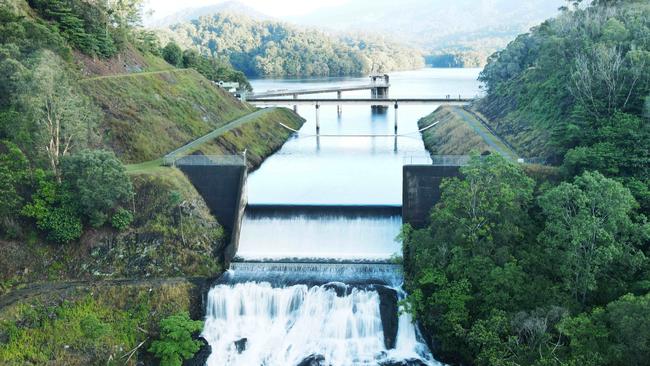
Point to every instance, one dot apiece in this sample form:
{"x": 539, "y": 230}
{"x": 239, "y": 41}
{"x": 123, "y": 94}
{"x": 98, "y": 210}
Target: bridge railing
{"x": 438, "y": 160}
{"x": 205, "y": 160}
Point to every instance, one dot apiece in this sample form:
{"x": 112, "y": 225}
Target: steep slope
{"x": 147, "y": 115}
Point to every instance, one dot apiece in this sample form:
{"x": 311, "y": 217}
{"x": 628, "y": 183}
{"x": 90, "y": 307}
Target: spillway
{"x": 276, "y": 323}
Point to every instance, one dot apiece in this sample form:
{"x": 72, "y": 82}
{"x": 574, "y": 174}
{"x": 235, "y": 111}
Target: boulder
{"x": 313, "y": 360}
{"x": 409, "y": 362}
{"x": 241, "y": 345}
{"x": 388, "y": 310}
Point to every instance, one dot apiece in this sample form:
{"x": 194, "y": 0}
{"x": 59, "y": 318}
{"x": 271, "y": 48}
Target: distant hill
{"x": 194, "y": 13}
{"x": 273, "y": 48}
{"x": 439, "y": 26}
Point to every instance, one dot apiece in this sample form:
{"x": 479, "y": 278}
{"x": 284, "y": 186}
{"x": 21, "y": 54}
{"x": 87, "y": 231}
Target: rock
{"x": 201, "y": 357}
{"x": 409, "y": 362}
{"x": 340, "y": 288}
{"x": 388, "y": 311}
{"x": 313, "y": 360}
{"x": 241, "y": 345}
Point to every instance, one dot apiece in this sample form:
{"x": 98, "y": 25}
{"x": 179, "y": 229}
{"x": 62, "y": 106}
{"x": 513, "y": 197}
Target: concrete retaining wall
{"x": 223, "y": 187}
{"x": 421, "y": 191}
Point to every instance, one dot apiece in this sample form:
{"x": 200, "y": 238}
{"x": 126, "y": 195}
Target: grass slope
{"x": 260, "y": 136}
{"x": 147, "y": 115}
{"x": 459, "y": 133}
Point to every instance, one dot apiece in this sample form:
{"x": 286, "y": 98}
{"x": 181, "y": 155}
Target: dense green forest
{"x": 528, "y": 266}
{"x": 268, "y": 48}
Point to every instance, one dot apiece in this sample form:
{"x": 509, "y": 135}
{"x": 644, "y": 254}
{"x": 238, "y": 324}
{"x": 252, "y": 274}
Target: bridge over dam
{"x": 381, "y": 103}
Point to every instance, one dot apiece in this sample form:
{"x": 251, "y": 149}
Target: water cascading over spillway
{"x": 326, "y": 323}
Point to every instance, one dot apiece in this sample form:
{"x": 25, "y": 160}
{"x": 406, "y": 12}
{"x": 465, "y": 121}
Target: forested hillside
{"x": 269, "y": 48}
{"x": 532, "y": 265}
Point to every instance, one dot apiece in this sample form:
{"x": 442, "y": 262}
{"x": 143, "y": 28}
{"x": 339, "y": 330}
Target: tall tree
{"x": 588, "y": 228}
{"x": 66, "y": 116}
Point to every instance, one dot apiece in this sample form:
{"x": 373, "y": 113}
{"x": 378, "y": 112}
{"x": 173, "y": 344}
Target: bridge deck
{"x": 281, "y": 93}
{"x": 359, "y": 101}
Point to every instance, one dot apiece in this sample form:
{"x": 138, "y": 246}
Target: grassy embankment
{"x": 148, "y": 115}
{"x": 517, "y": 128}
{"x": 460, "y": 133}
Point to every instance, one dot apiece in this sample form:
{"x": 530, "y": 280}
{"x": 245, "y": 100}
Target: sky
{"x": 275, "y": 8}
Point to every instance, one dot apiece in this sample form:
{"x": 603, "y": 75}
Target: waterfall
{"x": 255, "y": 323}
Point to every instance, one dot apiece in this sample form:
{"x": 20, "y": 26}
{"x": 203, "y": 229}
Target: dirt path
{"x": 134, "y": 74}
{"x": 62, "y": 287}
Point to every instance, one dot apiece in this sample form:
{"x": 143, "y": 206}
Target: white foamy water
{"x": 283, "y": 326}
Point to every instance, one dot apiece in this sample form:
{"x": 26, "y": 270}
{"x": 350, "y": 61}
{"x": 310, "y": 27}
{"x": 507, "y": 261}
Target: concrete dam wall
{"x": 223, "y": 187}
{"x": 421, "y": 191}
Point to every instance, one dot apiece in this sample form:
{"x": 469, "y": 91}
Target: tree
{"x": 484, "y": 209}
{"x": 98, "y": 181}
{"x": 173, "y": 54}
{"x": 618, "y": 334}
{"x": 588, "y": 228}
{"x": 176, "y": 343}
{"x": 66, "y": 117}
{"x": 14, "y": 174}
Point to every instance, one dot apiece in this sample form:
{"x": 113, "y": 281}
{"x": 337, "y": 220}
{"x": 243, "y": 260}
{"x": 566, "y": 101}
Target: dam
{"x": 316, "y": 279}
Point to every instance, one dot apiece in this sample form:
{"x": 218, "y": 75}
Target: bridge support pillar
{"x": 317, "y": 119}
{"x": 338, "y": 107}
{"x": 396, "y": 118}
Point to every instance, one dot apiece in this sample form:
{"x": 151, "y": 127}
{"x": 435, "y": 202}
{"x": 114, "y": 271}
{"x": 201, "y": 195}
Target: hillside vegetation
{"x": 148, "y": 115}
{"x": 270, "y": 48}
{"x": 538, "y": 265}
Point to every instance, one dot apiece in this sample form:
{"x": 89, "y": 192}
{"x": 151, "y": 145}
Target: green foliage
{"x": 277, "y": 49}
{"x": 121, "y": 219}
{"x": 54, "y": 209}
{"x": 577, "y": 83}
{"x": 96, "y": 324}
{"x": 214, "y": 69}
{"x": 14, "y": 176}
{"x": 173, "y": 54}
{"x": 93, "y": 184}
{"x": 618, "y": 334}
{"x": 176, "y": 343}
{"x": 589, "y": 229}
{"x": 94, "y": 28}
{"x": 99, "y": 183}
{"x": 495, "y": 277}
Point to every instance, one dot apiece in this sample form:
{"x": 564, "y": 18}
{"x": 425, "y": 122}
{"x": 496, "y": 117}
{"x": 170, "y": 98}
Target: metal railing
{"x": 437, "y": 160}
{"x": 205, "y": 160}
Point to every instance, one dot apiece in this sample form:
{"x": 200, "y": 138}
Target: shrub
{"x": 98, "y": 181}
{"x": 173, "y": 54}
{"x": 122, "y": 219}
{"x": 176, "y": 343}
